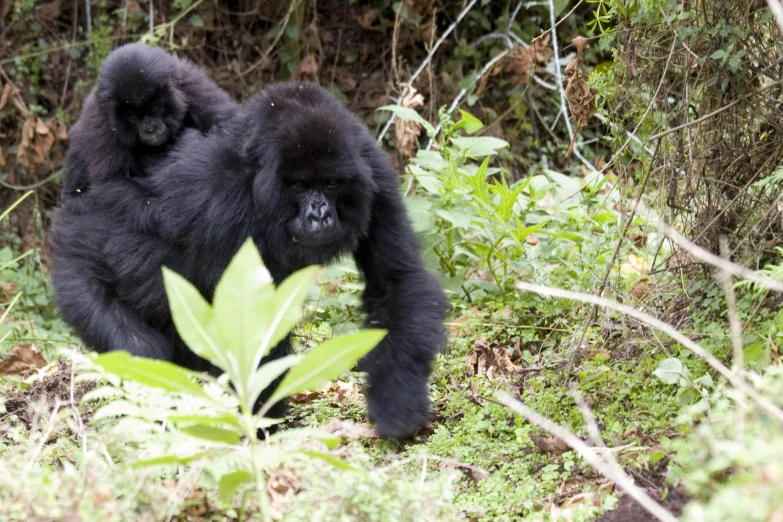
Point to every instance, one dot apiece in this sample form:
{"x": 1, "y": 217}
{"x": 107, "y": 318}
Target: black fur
{"x": 143, "y": 99}
{"x": 256, "y": 176}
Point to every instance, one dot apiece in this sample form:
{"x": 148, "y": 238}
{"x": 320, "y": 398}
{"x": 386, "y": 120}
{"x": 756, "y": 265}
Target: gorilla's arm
{"x": 84, "y": 292}
{"x": 208, "y": 104}
{"x": 402, "y": 296}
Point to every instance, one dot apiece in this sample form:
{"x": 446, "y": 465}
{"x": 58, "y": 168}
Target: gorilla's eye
{"x": 299, "y": 185}
{"x": 331, "y": 183}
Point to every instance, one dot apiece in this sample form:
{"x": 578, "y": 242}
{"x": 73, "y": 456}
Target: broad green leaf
{"x": 207, "y": 420}
{"x": 212, "y": 433}
{"x": 196, "y": 21}
{"x": 458, "y": 219}
{"x": 408, "y": 114}
{"x": 326, "y": 457}
{"x": 289, "y": 298}
{"x": 268, "y": 373}
{"x": 158, "y": 374}
{"x": 173, "y": 459}
{"x": 469, "y": 122}
{"x": 327, "y": 361}
{"x": 231, "y": 481}
{"x": 719, "y": 54}
{"x": 431, "y": 160}
{"x": 669, "y": 371}
{"x": 480, "y": 146}
{"x": 193, "y": 318}
{"x": 243, "y": 297}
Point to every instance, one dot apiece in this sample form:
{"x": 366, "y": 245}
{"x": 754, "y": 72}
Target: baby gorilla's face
{"x": 151, "y": 128}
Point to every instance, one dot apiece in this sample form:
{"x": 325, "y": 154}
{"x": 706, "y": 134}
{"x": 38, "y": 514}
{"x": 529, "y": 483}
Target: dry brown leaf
{"x": 339, "y": 392}
{"x": 578, "y": 93}
{"x": 349, "y": 429}
{"x": 282, "y": 485}
{"x": 37, "y": 140}
{"x": 520, "y": 63}
{"x": 22, "y": 359}
{"x": 407, "y": 132}
{"x": 307, "y": 70}
{"x": 532, "y": 239}
{"x": 6, "y": 94}
{"x": 492, "y": 362}
{"x": 367, "y": 19}
{"x": 2, "y": 157}
{"x": 50, "y": 11}
{"x": 551, "y": 445}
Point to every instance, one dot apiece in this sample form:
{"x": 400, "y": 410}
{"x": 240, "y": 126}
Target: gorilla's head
{"x": 137, "y": 91}
{"x": 313, "y": 185}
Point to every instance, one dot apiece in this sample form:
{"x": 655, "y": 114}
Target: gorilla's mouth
{"x": 315, "y": 241}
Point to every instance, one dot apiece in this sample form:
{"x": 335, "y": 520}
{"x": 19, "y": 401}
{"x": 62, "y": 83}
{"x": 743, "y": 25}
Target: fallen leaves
{"x": 578, "y": 93}
{"x": 349, "y": 429}
{"x": 37, "y": 140}
{"x": 491, "y": 361}
{"x": 21, "y": 360}
{"x": 338, "y": 392}
{"x": 307, "y": 70}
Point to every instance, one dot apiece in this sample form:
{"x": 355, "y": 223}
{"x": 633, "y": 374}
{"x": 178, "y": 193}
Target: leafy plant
{"x": 248, "y": 318}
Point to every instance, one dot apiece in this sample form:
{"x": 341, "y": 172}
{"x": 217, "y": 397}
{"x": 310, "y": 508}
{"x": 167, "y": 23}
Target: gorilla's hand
{"x": 398, "y": 407}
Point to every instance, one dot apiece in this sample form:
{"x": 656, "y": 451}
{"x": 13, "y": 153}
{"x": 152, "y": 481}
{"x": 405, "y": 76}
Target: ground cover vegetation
{"x": 597, "y": 185}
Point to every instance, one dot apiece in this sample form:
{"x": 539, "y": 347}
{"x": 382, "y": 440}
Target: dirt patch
{"x": 52, "y": 389}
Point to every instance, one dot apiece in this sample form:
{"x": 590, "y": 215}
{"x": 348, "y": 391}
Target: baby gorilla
{"x": 143, "y": 99}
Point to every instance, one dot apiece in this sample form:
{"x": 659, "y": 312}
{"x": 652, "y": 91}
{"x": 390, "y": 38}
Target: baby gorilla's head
{"x": 137, "y": 91}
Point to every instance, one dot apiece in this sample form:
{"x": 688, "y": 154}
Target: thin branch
{"x": 291, "y": 8}
{"x": 426, "y": 61}
{"x": 666, "y": 328}
{"x": 559, "y": 22}
{"x": 723, "y": 264}
{"x": 614, "y": 474}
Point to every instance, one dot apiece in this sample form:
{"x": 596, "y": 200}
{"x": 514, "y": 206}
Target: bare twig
{"x": 291, "y": 8}
{"x": 725, "y": 265}
{"x": 613, "y": 473}
{"x": 426, "y": 61}
{"x": 736, "y": 326}
{"x": 559, "y": 22}
{"x": 666, "y": 328}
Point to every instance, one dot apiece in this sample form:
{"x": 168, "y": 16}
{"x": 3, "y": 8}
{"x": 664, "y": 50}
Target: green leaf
{"x": 196, "y": 21}
{"x": 269, "y": 372}
{"x": 158, "y": 374}
{"x": 717, "y": 55}
{"x": 326, "y": 457}
{"x": 408, "y": 114}
{"x": 230, "y": 482}
{"x": 479, "y": 147}
{"x": 243, "y": 297}
{"x": 207, "y": 420}
{"x": 669, "y": 371}
{"x": 469, "y": 122}
{"x": 325, "y": 362}
{"x": 201, "y": 431}
{"x": 193, "y": 318}
{"x": 289, "y": 298}
{"x": 172, "y": 459}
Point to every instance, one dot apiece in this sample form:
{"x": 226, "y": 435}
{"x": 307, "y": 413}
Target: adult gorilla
{"x": 300, "y": 175}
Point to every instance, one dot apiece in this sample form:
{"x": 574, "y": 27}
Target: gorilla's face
{"x": 137, "y": 90}
{"x": 328, "y": 203}
{"x": 149, "y": 118}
